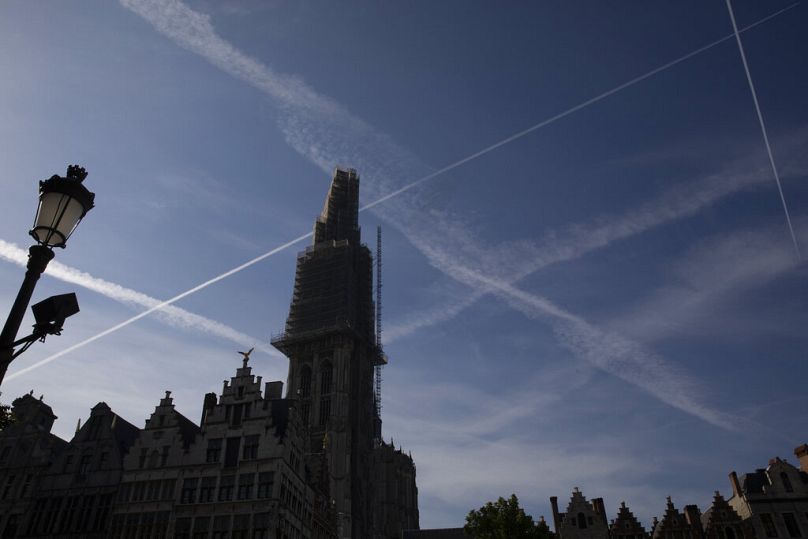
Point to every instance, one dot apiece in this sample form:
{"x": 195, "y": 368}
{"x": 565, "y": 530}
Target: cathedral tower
{"x": 330, "y": 342}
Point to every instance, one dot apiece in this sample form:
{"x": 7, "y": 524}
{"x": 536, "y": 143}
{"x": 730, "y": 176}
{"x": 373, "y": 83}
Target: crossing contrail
{"x": 247, "y": 69}
{"x": 763, "y": 127}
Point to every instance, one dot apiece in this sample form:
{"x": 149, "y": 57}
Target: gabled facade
{"x": 721, "y": 521}
{"x": 77, "y": 490}
{"x": 773, "y": 500}
{"x": 27, "y": 448}
{"x": 626, "y": 525}
{"x": 673, "y": 525}
{"x": 582, "y": 520}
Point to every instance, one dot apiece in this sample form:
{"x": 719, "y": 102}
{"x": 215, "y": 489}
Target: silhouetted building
{"x": 721, "y": 521}
{"x": 27, "y": 448}
{"x": 626, "y": 525}
{"x": 259, "y": 466}
{"x": 330, "y": 341}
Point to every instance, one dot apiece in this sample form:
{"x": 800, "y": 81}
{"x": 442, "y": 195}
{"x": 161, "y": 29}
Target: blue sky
{"x": 611, "y": 300}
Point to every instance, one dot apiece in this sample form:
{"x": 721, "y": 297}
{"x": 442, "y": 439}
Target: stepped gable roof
{"x": 720, "y": 513}
{"x": 626, "y": 523}
{"x": 188, "y": 429}
{"x": 673, "y": 520}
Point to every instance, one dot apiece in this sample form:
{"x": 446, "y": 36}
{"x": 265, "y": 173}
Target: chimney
{"x": 600, "y": 509}
{"x": 274, "y": 390}
{"x": 736, "y": 485}
{"x": 207, "y": 406}
{"x": 801, "y": 453}
{"x": 554, "y": 504}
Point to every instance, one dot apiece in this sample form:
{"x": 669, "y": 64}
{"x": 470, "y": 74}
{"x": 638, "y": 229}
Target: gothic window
{"x": 325, "y": 410}
{"x": 786, "y": 482}
{"x": 581, "y": 521}
{"x": 305, "y": 382}
{"x": 326, "y": 378}
{"x": 305, "y": 412}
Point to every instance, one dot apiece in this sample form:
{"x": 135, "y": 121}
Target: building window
{"x": 245, "y": 486}
{"x": 182, "y": 528}
{"x": 141, "y": 463}
{"x": 786, "y": 482}
{"x": 791, "y": 525}
{"x": 265, "y": 480}
{"x": 154, "y": 458}
{"x": 188, "y": 494}
{"x": 231, "y": 452}
{"x": 729, "y": 533}
{"x": 326, "y": 378}
{"x": 4, "y": 453}
{"x": 305, "y": 412}
{"x": 226, "y": 488}
{"x": 581, "y": 521}
{"x": 325, "y": 410}
{"x": 9, "y": 484}
{"x": 84, "y": 465}
{"x": 241, "y": 526}
{"x": 214, "y": 450}
{"x": 207, "y": 489}
{"x": 103, "y": 459}
{"x": 250, "y": 447}
{"x": 221, "y": 527}
{"x": 164, "y": 455}
{"x": 168, "y": 489}
{"x": 768, "y": 525}
{"x": 305, "y": 382}
{"x": 201, "y": 527}
{"x": 261, "y": 525}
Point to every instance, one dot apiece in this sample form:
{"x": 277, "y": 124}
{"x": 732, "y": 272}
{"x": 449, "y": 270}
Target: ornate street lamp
{"x": 63, "y": 203}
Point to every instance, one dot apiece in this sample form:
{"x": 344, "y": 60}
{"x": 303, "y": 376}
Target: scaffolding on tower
{"x": 379, "y": 364}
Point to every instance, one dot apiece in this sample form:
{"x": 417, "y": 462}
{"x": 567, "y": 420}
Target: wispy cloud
{"x": 172, "y": 315}
{"x": 712, "y": 272}
{"x": 326, "y": 133}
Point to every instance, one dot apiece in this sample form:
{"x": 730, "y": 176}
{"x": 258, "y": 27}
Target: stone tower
{"x": 330, "y": 342}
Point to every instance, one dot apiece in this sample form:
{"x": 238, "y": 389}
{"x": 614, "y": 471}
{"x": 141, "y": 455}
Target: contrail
{"x": 592, "y": 101}
{"x": 284, "y": 92}
{"x": 159, "y": 306}
{"x": 763, "y": 128}
{"x": 173, "y": 315}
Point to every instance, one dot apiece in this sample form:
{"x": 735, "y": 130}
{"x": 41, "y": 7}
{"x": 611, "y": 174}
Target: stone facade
{"x": 626, "y": 525}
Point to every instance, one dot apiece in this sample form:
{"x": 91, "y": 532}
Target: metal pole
{"x": 38, "y": 258}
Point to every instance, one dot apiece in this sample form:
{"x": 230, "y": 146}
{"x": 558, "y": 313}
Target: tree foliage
{"x": 6, "y": 417}
{"x": 504, "y": 519}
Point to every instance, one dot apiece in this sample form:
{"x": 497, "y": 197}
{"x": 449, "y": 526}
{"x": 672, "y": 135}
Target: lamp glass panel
{"x": 57, "y": 217}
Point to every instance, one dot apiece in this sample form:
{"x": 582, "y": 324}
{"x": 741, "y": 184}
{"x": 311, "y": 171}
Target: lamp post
{"x": 63, "y": 203}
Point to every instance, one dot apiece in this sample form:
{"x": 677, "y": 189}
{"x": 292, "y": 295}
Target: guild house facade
{"x": 258, "y": 465}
